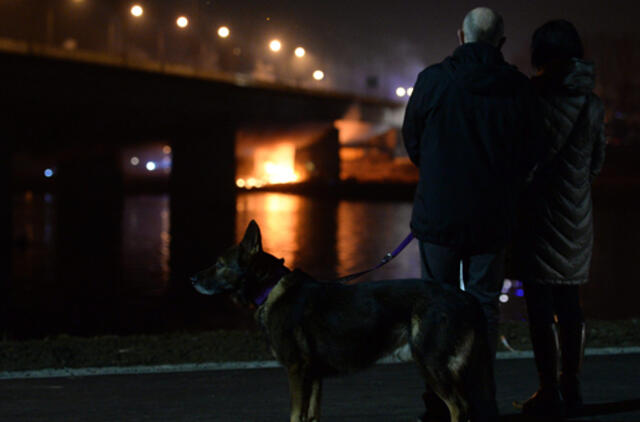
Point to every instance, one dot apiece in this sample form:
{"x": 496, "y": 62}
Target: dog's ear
{"x": 252, "y": 240}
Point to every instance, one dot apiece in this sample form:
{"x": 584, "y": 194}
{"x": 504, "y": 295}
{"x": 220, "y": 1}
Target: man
{"x": 470, "y": 127}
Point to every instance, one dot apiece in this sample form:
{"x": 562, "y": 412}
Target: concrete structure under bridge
{"x": 85, "y": 109}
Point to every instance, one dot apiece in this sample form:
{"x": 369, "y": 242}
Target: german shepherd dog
{"x": 320, "y": 329}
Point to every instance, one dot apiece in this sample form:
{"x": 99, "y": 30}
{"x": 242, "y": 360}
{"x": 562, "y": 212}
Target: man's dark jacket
{"x": 471, "y": 127}
{"x": 555, "y": 238}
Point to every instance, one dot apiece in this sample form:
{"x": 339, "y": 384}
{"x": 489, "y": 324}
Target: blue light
{"x": 519, "y": 292}
{"x": 48, "y": 173}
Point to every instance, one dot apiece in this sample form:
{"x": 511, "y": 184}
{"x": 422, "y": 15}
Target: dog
{"x": 322, "y": 329}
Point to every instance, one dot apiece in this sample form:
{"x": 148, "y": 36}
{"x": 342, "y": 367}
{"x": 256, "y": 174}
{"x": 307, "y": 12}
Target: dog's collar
{"x": 262, "y": 298}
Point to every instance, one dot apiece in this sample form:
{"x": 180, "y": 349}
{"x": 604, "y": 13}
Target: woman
{"x": 552, "y": 250}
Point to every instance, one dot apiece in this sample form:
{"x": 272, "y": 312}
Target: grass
{"x": 220, "y": 346}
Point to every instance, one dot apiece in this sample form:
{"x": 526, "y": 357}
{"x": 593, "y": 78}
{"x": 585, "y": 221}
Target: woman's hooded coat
{"x": 555, "y": 236}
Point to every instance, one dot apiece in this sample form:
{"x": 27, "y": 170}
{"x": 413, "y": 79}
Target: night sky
{"x": 349, "y": 40}
{"x": 401, "y": 37}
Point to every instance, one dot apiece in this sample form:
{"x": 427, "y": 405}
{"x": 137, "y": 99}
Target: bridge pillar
{"x": 89, "y": 234}
{"x": 203, "y": 201}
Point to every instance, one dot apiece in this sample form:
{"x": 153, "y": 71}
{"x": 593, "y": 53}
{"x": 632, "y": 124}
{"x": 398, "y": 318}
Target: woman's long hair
{"x": 554, "y": 41}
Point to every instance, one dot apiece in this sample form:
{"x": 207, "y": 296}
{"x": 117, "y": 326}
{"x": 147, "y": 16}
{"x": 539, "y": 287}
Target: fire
{"x": 272, "y": 165}
{"x": 280, "y": 173}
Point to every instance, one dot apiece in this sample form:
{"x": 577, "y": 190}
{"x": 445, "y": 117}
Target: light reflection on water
{"x": 327, "y": 238}
{"x": 278, "y": 218}
{"x": 145, "y": 250}
{"x": 332, "y": 239}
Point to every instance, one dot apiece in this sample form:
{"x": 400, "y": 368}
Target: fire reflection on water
{"x": 367, "y": 231}
{"x": 278, "y": 216}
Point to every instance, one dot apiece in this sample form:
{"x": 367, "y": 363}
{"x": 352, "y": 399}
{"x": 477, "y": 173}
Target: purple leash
{"x": 348, "y": 279}
{"x": 388, "y": 257}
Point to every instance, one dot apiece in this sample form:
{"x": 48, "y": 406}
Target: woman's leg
{"x": 544, "y": 338}
{"x": 572, "y": 332}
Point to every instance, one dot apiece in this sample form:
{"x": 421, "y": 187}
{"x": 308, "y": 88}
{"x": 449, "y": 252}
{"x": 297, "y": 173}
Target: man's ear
{"x": 252, "y": 240}
{"x": 460, "y": 36}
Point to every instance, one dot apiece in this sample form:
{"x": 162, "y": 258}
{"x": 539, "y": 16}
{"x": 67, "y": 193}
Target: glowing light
{"x": 318, "y": 75}
{"x": 300, "y": 52}
{"x": 136, "y": 10}
{"x": 182, "y": 22}
{"x": 134, "y": 161}
{"x": 409, "y": 91}
{"x": 271, "y": 165}
{"x": 279, "y": 173}
{"x": 275, "y": 45}
{"x": 48, "y": 173}
{"x": 223, "y": 32}
{"x": 151, "y": 166}
{"x": 504, "y": 298}
{"x": 252, "y": 182}
{"x": 506, "y": 286}
{"x": 166, "y": 149}
{"x": 401, "y": 92}
{"x": 70, "y": 44}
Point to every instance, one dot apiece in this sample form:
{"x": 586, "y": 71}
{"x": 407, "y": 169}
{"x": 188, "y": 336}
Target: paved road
{"x": 385, "y": 393}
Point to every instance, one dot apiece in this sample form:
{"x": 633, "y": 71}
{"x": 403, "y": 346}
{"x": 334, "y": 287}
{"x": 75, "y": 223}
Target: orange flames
{"x": 272, "y": 165}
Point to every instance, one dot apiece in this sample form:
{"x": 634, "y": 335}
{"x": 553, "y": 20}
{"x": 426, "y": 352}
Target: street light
{"x": 409, "y": 91}
{"x": 299, "y": 52}
{"x": 182, "y": 22}
{"x": 318, "y": 75}
{"x": 401, "y": 92}
{"x": 136, "y": 10}
{"x": 223, "y": 32}
{"x": 275, "y": 45}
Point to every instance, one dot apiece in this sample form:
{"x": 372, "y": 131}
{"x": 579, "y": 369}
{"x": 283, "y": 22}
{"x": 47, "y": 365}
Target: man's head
{"x": 482, "y": 24}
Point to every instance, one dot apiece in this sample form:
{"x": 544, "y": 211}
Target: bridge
{"x": 83, "y": 108}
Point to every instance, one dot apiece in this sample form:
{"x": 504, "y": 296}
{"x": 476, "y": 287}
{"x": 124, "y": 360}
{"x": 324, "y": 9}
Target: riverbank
{"x": 226, "y": 346}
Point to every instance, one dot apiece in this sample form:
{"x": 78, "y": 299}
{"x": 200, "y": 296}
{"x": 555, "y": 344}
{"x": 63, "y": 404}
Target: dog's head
{"x": 229, "y": 273}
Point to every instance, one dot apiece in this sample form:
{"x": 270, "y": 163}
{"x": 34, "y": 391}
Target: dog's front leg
{"x": 299, "y": 391}
{"x": 314, "y": 402}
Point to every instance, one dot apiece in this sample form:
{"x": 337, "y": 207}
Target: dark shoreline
{"x": 65, "y": 351}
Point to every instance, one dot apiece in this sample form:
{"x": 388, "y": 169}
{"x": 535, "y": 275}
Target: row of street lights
{"x": 402, "y": 92}
{"x": 275, "y": 45}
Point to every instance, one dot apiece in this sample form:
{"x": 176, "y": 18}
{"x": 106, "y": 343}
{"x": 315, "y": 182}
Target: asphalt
{"x": 384, "y": 393}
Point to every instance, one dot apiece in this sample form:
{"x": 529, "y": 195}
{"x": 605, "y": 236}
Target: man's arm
{"x": 414, "y": 119}
{"x": 537, "y": 145}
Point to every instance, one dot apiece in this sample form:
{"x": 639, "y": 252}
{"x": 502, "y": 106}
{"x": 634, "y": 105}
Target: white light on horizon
{"x": 182, "y": 22}
{"x": 136, "y": 10}
{"x": 401, "y": 92}
{"x": 318, "y": 75}
{"x": 151, "y": 166}
{"x": 223, "y": 32}
{"x": 300, "y": 52}
{"x": 48, "y": 173}
{"x": 134, "y": 161}
{"x": 409, "y": 91}
{"x": 275, "y": 45}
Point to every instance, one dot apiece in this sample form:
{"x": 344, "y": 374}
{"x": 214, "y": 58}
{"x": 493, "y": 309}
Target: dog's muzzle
{"x": 197, "y": 284}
